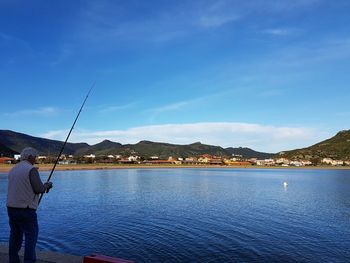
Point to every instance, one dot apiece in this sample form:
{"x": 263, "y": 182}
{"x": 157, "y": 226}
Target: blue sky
{"x": 269, "y": 75}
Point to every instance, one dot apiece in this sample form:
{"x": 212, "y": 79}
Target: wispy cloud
{"x": 43, "y": 112}
{"x": 216, "y": 20}
{"x": 109, "y": 22}
{"x": 182, "y": 105}
{"x": 171, "y": 107}
{"x": 61, "y": 56}
{"x": 225, "y": 134}
{"x": 12, "y": 40}
{"x": 281, "y": 31}
{"x": 15, "y": 48}
{"x": 110, "y": 109}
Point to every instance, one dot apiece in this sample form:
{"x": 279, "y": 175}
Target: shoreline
{"x": 69, "y": 167}
{"x": 43, "y": 256}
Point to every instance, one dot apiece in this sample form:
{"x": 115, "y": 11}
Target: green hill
{"x": 249, "y": 153}
{"x": 164, "y": 150}
{"x": 17, "y": 141}
{"x": 337, "y": 147}
{"x": 105, "y": 147}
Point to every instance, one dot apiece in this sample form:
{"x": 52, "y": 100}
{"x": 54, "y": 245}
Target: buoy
{"x": 285, "y": 184}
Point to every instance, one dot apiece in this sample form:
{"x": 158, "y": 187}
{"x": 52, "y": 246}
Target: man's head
{"x": 29, "y": 154}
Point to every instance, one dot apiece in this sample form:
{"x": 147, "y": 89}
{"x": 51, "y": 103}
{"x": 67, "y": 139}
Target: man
{"x": 24, "y": 189}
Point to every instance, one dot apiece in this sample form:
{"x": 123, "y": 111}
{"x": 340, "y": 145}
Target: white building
{"x": 268, "y": 162}
{"x": 92, "y": 156}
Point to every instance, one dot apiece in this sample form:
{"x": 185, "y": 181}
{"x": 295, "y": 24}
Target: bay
{"x": 196, "y": 215}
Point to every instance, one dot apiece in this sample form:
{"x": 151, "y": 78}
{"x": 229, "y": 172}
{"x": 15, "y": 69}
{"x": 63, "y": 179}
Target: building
{"x": 7, "y": 160}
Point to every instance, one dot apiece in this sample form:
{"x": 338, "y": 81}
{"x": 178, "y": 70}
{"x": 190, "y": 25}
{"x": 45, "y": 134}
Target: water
{"x": 196, "y": 215}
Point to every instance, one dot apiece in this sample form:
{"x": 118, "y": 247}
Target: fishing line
{"x": 65, "y": 142}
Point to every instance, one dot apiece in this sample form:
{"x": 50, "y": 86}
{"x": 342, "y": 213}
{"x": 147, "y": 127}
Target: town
{"x": 205, "y": 159}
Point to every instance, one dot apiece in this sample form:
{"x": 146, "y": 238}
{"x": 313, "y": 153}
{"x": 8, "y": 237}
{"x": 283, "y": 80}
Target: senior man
{"x": 24, "y": 189}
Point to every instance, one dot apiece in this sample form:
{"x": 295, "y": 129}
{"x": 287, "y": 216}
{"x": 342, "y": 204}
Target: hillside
{"x": 337, "y": 147}
{"x": 17, "y": 141}
{"x": 249, "y": 153}
{"x": 105, "y": 147}
{"x": 164, "y": 150}
{"x": 6, "y": 152}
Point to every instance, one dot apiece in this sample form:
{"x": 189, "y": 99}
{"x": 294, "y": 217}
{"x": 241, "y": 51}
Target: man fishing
{"x": 24, "y": 188}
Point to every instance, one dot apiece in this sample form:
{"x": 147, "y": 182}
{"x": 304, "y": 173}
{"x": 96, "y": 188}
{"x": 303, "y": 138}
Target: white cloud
{"x": 117, "y": 108}
{"x": 216, "y": 20}
{"x": 171, "y": 107}
{"x": 43, "y": 112}
{"x": 109, "y": 22}
{"x": 279, "y": 31}
{"x": 226, "y": 134}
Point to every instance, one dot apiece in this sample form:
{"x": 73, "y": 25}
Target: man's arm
{"x": 35, "y": 181}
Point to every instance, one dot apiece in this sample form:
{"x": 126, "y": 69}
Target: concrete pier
{"x": 42, "y": 256}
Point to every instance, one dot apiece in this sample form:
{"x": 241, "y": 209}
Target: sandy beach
{"x": 47, "y": 167}
{"x": 64, "y": 167}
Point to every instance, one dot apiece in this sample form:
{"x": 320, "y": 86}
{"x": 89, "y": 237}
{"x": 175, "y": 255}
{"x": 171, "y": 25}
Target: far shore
{"x": 66, "y": 167}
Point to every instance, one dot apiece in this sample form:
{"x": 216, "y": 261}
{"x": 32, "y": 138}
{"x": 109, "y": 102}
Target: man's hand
{"x": 48, "y": 186}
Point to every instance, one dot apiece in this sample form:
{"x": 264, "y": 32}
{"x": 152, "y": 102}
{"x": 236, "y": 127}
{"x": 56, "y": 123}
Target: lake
{"x": 196, "y": 215}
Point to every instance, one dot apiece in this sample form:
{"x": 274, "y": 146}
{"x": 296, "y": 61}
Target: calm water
{"x": 196, "y": 215}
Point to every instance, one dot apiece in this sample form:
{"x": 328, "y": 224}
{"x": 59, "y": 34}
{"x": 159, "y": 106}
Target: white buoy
{"x": 285, "y": 184}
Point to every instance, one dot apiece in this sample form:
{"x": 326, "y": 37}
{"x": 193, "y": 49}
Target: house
{"x": 160, "y": 161}
{"x": 91, "y": 156}
{"x": 204, "y": 158}
{"x": 332, "y": 162}
{"x": 306, "y": 163}
{"x": 67, "y": 162}
{"x": 125, "y": 161}
{"x": 327, "y": 160}
{"x": 282, "y": 161}
{"x": 234, "y": 162}
{"x": 296, "y": 163}
{"x": 7, "y": 160}
{"x": 266, "y": 162}
{"x": 190, "y": 160}
{"x": 216, "y": 161}
{"x": 133, "y": 158}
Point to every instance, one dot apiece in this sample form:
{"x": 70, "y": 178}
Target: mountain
{"x": 6, "y": 152}
{"x": 105, "y": 147}
{"x": 164, "y": 150}
{"x": 17, "y": 141}
{"x": 249, "y": 153}
{"x": 337, "y": 147}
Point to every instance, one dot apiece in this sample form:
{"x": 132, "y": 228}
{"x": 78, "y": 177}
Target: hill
{"x": 6, "y": 152}
{"x": 164, "y": 150}
{"x": 105, "y": 147}
{"x": 17, "y": 141}
{"x": 337, "y": 147}
{"x": 249, "y": 153}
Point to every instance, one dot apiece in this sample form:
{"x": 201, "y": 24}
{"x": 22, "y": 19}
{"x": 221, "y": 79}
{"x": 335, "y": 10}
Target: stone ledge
{"x": 42, "y": 256}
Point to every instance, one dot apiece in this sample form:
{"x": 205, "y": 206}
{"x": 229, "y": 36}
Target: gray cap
{"x": 28, "y": 151}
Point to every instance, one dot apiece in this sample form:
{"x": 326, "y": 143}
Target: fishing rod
{"x": 65, "y": 142}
